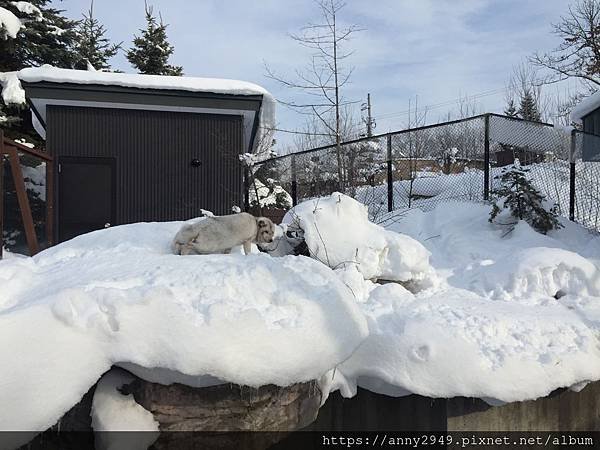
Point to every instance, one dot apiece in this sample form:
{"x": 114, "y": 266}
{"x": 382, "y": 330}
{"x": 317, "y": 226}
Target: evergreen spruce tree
{"x": 511, "y": 109}
{"x": 46, "y": 37}
{"x": 151, "y": 50}
{"x": 92, "y": 44}
{"x": 528, "y": 108}
{"x": 523, "y": 201}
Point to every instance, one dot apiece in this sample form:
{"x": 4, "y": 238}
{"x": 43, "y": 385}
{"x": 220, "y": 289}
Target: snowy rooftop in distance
{"x": 586, "y": 106}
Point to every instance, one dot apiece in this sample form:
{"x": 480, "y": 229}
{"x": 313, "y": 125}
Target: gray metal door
{"x": 86, "y": 195}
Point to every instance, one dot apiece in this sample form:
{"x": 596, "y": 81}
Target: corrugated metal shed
{"x": 124, "y": 154}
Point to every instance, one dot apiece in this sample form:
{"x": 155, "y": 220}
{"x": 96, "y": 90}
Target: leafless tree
{"x": 578, "y": 55}
{"x": 324, "y": 76}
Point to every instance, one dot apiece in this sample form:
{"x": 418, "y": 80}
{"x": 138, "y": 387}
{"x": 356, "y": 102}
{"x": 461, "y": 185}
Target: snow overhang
{"x": 585, "y": 107}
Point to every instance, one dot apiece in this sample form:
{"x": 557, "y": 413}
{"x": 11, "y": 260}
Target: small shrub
{"x": 517, "y": 195}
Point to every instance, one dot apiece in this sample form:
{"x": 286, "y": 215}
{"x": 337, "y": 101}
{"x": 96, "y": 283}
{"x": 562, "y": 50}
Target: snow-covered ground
{"x": 440, "y": 303}
{"x": 508, "y": 318}
{"x": 119, "y": 295}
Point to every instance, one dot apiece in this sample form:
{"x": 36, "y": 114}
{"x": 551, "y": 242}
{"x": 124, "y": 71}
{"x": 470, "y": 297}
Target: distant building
{"x": 587, "y": 113}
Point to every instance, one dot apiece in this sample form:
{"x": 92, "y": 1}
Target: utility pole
{"x": 369, "y": 121}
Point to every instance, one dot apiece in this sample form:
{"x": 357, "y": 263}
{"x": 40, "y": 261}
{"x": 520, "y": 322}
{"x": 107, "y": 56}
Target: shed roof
{"x": 13, "y": 93}
{"x": 585, "y": 107}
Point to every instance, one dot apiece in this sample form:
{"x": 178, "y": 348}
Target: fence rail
{"x": 420, "y": 167}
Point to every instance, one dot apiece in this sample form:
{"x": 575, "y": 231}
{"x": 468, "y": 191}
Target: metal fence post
{"x": 572, "y": 176}
{"x": 390, "y": 175}
{"x": 486, "y": 158}
{"x": 294, "y": 182}
{"x": 246, "y": 189}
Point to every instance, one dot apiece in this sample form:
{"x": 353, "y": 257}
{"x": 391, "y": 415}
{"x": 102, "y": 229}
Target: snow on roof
{"x": 191, "y": 84}
{"x": 9, "y": 22}
{"x": 586, "y": 106}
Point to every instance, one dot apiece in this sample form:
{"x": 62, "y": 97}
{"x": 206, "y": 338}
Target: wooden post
{"x": 486, "y": 158}
{"x": 17, "y": 175}
{"x": 390, "y": 175}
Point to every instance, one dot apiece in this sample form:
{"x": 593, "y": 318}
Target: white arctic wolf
{"x": 220, "y": 234}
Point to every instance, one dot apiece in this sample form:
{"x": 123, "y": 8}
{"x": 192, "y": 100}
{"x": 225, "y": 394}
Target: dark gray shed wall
{"x": 153, "y": 150}
{"x": 591, "y": 122}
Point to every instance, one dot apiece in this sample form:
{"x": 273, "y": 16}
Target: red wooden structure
{"x": 9, "y": 154}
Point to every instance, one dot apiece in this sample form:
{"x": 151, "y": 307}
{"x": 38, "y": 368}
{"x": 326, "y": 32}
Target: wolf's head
{"x": 266, "y": 230}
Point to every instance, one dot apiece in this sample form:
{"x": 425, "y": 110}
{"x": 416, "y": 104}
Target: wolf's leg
{"x": 247, "y": 247}
{"x": 185, "y": 249}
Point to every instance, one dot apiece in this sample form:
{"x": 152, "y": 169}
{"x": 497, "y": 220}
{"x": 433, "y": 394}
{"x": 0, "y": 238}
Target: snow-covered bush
{"x": 523, "y": 201}
{"x": 270, "y": 194}
{"x": 337, "y": 232}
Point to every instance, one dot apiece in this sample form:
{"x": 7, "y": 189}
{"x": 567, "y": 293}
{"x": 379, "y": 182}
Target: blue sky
{"x": 437, "y": 50}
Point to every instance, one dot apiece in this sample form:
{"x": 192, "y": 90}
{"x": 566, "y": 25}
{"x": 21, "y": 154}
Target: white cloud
{"x": 434, "y": 48}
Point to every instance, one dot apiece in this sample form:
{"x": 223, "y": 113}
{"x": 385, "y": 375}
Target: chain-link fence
{"x": 420, "y": 167}
{"x": 585, "y": 179}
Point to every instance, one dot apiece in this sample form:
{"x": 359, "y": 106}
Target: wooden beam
{"x": 17, "y": 174}
{"x": 29, "y": 150}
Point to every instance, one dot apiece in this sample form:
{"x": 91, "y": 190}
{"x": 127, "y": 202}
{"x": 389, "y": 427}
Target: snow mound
{"x": 538, "y": 271}
{"x": 456, "y": 338}
{"x": 338, "y": 232}
{"x": 454, "y": 343}
{"x": 501, "y": 316}
{"x": 119, "y": 296}
{"x": 9, "y": 24}
{"x": 114, "y": 411}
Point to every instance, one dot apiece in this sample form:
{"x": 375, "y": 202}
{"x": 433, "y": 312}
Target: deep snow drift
{"x": 449, "y": 307}
{"x": 509, "y": 318}
{"x": 119, "y": 295}
{"x": 337, "y": 232}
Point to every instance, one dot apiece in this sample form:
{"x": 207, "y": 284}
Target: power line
{"x": 444, "y": 103}
{"x": 475, "y": 96}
